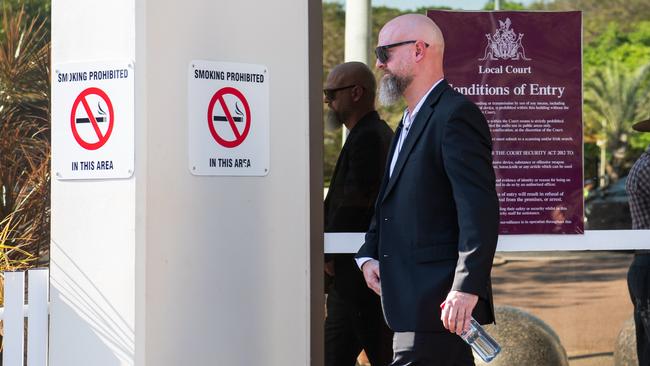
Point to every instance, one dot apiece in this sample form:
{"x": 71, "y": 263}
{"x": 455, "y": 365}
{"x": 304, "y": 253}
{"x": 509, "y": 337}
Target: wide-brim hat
{"x": 643, "y": 126}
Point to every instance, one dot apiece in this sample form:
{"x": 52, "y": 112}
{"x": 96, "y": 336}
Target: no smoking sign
{"x": 85, "y": 120}
{"x": 230, "y": 106}
{"x": 93, "y": 120}
{"x": 228, "y": 119}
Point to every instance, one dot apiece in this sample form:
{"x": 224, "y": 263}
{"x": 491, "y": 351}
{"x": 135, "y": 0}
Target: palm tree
{"x": 615, "y": 98}
{"x": 24, "y": 139}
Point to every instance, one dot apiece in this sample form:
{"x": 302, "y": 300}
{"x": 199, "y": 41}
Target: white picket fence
{"x": 14, "y": 313}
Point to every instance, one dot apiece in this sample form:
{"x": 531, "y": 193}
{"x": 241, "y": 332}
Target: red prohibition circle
{"x": 102, "y": 139}
{"x": 239, "y": 138}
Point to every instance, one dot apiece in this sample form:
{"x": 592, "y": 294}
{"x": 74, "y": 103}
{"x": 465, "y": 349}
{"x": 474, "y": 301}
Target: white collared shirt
{"x": 407, "y": 121}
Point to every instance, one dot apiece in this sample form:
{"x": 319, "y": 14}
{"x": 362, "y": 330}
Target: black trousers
{"x": 638, "y": 282}
{"x": 431, "y": 349}
{"x": 352, "y": 325}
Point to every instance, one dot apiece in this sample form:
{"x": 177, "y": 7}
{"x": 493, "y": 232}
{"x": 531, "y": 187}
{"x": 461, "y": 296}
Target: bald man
{"x": 354, "y": 318}
{"x": 430, "y": 246}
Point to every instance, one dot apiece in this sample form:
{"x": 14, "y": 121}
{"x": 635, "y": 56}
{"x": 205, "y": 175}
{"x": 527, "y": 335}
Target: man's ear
{"x": 357, "y": 93}
{"x": 419, "y": 50}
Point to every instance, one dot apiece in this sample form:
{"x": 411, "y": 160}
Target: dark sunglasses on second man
{"x": 382, "y": 51}
{"x": 330, "y": 94}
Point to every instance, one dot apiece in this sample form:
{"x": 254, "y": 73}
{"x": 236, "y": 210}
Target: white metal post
{"x": 357, "y": 36}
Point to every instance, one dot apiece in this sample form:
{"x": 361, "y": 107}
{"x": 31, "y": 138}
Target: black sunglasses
{"x": 382, "y": 51}
{"x": 330, "y": 94}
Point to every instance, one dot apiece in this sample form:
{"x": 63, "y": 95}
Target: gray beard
{"x": 332, "y": 120}
{"x": 392, "y": 87}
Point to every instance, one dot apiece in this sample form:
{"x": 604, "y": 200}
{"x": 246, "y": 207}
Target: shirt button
{"x": 385, "y": 218}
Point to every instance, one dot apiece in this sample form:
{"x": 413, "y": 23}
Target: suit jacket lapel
{"x": 348, "y": 141}
{"x": 416, "y": 129}
{"x": 337, "y": 167}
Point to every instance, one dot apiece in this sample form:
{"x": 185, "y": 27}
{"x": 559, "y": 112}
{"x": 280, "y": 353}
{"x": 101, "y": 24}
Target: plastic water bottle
{"x": 481, "y": 342}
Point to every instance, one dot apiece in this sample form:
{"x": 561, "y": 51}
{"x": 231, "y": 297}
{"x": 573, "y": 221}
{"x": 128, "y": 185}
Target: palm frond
{"x": 24, "y": 140}
{"x": 614, "y": 99}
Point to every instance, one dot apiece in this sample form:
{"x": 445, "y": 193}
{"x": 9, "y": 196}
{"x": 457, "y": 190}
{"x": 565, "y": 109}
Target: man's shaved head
{"x": 354, "y": 73}
{"x": 352, "y": 88}
{"x": 412, "y": 58}
{"x": 413, "y": 27}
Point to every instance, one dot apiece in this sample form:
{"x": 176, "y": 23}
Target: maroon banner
{"x": 524, "y": 70}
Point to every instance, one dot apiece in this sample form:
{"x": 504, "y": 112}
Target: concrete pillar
{"x": 625, "y": 347}
{"x": 524, "y": 340}
{"x": 169, "y": 268}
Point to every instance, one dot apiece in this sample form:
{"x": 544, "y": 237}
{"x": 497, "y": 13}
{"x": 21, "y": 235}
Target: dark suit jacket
{"x": 349, "y": 204}
{"x": 437, "y": 217}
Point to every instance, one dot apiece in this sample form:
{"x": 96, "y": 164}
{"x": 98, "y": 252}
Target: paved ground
{"x": 583, "y": 296}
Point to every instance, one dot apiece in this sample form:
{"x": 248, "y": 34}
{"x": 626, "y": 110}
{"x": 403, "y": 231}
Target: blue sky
{"x": 414, "y": 4}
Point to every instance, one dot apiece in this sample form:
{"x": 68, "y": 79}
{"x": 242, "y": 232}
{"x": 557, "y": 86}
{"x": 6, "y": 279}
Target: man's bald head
{"x": 350, "y": 91}
{"x": 411, "y": 58}
{"x": 413, "y": 27}
{"x": 354, "y": 73}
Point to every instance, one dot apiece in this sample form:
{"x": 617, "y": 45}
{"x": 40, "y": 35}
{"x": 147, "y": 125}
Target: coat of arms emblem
{"x": 504, "y": 44}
